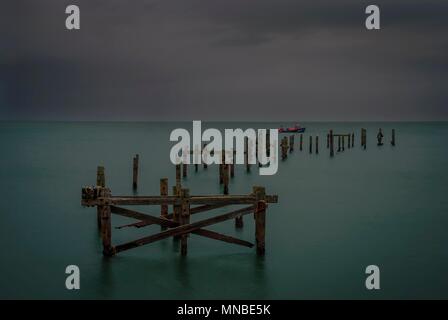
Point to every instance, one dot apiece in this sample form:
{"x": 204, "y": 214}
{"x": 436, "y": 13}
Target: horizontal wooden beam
{"x": 209, "y": 200}
{"x": 183, "y": 229}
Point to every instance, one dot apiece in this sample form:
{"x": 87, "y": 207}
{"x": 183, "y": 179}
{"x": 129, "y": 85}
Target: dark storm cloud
{"x": 223, "y": 59}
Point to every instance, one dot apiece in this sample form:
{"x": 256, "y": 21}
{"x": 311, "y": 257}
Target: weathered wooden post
{"x": 311, "y": 144}
{"x": 185, "y": 219}
{"x": 365, "y": 139}
{"x": 392, "y": 142}
{"x": 100, "y": 182}
{"x": 301, "y": 142}
{"x": 205, "y": 164}
{"x": 317, "y": 144}
{"x": 284, "y": 146}
{"x": 135, "y": 172}
{"x": 328, "y": 140}
{"x": 362, "y": 137}
{"x": 291, "y": 143}
{"x": 268, "y": 142}
{"x": 331, "y": 144}
{"x": 225, "y": 169}
{"x": 353, "y": 139}
{"x": 163, "y": 192}
{"x": 246, "y": 153}
{"x": 343, "y": 143}
{"x": 106, "y": 227}
{"x": 184, "y": 170}
{"x": 221, "y": 167}
{"x": 178, "y": 181}
{"x": 177, "y": 208}
{"x": 348, "y": 141}
{"x": 100, "y": 177}
{"x": 260, "y": 219}
{"x": 339, "y": 143}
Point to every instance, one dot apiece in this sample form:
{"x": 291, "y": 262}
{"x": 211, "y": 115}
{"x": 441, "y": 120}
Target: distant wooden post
{"x": 301, "y": 142}
{"x": 184, "y": 170}
{"x": 246, "y": 153}
{"x": 392, "y": 142}
{"x": 101, "y": 182}
{"x": 163, "y": 192}
{"x": 348, "y": 141}
{"x": 178, "y": 181}
{"x": 365, "y": 139}
{"x": 353, "y": 139}
{"x": 260, "y": 219}
{"x": 268, "y": 142}
{"x": 284, "y": 147}
{"x": 362, "y": 137}
{"x": 135, "y": 172}
{"x": 106, "y": 227}
{"x": 343, "y": 143}
{"x": 317, "y": 144}
{"x": 291, "y": 143}
{"x": 205, "y": 164}
{"x": 177, "y": 209}
{"x": 185, "y": 219}
{"x": 225, "y": 168}
{"x": 339, "y": 143}
{"x": 311, "y": 144}
{"x": 331, "y": 144}
{"x": 100, "y": 177}
{"x": 328, "y": 140}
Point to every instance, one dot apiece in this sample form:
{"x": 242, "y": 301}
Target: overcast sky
{"x": 223, "y": 60}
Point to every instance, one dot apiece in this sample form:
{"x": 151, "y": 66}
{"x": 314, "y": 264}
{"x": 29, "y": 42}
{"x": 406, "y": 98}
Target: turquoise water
{"x": 384, "y": 206}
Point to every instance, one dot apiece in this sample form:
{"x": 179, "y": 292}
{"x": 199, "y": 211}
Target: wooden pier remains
{"x": 177, "y": 224}
{"x": 135, "y": 172}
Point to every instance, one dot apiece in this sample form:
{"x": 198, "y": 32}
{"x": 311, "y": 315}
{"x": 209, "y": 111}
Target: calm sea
{"x": 386, "y": 206}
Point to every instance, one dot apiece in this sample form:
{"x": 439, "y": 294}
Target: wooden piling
{"x": 353, "y": 139}
{"x": 185, "y": 219}
{"x": 106, "y": 226}
{"x": 343, "y": 143}
{"x": 205, "y": 165}
{"x": 301, "y": 142}
{"x": 291, "y": 143}
{"x": 348, "y": 141}
{"x": 232, "y": 170}
{"x": 177, "y": 208}
{"x": 311, "y": 144}
{"x": 178, "y": 179}
{"x": 268, "y": 143}
{"x": 184, "y": 170}
{"x": 163, "y": 192}
{"x": 135, "y": 172}
{"x": 100, "y": 177}
{"x": 392, "y": 142}
{"x": 284, "y": 147}
{"x": 339, "y": 143}
{"x": 328, "y": 140}
{"x": 225, "y": 169}
{"x": 365, "y": 139}
{"x": 331, "y": 144}
{"x": 101, "y": 182}
{"x": 246, "y": 153}
{"x": 260, "y": 219}
{"x": 317, "y": 144}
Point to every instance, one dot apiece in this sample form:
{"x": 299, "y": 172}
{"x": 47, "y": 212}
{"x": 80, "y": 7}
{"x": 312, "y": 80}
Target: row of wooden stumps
{"x": 176, "y": 224}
